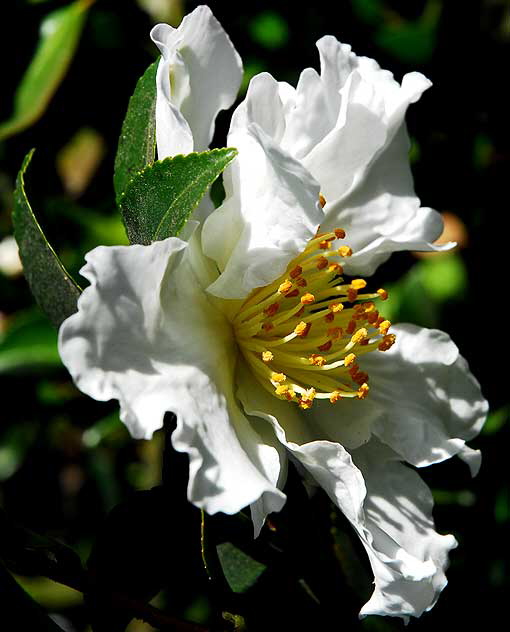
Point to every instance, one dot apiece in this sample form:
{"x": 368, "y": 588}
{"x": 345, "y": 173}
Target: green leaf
{"x": 30, "y": 343}
{"x": 19, "y": 607}
{"x": 59, "y": 35}
{"x": 137, "y": 142}
{"x": 160, "y": 199}
{"x": 54, "y": 289}
{"x": 241, "y": 571}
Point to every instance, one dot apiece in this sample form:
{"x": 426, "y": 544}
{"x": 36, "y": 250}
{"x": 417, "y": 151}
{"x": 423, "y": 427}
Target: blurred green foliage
{"x": 66, "y": 461}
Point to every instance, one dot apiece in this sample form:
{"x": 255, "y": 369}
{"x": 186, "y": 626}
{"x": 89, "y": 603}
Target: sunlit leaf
{"x": 59, "y": 35}
{"x": 444, "y": 277}
{"x": 19, "y": 607}
{"x": 160, "y": 199}
{"x": 52, "y": 286}
{"x": 137, "y": 142}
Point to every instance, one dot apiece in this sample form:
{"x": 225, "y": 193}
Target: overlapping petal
{"x": 145, "y": 334}
{"x": 386, "y": 503}
{"x": 428, "y": 402}
{"x": 270, "y": 212}
{"x": 199, "y": 74}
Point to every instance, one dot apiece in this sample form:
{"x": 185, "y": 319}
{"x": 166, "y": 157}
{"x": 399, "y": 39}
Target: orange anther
{"x": 267, "y": 356}
{"x": 363, "y": 391}
{"x": 387, "y": 342}
{"x": 267, "y": 327}
{"x": 330, "y": 317}
{"x": 358, "y": 284}
{"x": 351, "y": 327}
{"x": 340, "y": 233}
{"x": 345, "y": 251}
{"x": 272, "y": 309}
{"x": 352, "y": 294}
{"x": 335, "y": 307}
{"x": 302, "y": 329}
{"x": 349, "y": 359}
{"x": 335, "y": 397}
{"x": 292, "y": 294}
{"x": 322, "y": 200}
{"x": 322, "y": 263}
{"x": 308, "y": 299}
{"x": 295, "y": 272}
{"x": 326, "y": 346}
{"x": 384, "y": 326}
{"x": 301, "y": 282}
{"x": 285, "y": 287}
{"x": 336, "y": 268}
{"x": 278, "y": 377}
{"x": 325, "y": 244}
{"x": 383, "y": 294}
{"x": 317, "y": 360}
{"x": 360, "y": 335}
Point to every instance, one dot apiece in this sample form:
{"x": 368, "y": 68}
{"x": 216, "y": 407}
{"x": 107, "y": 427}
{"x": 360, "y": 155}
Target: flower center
{"x": 302, "y": 334}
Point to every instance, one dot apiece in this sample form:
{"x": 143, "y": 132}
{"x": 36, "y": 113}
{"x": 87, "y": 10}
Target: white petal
{"x": 382, "y": 214}
{"x": 199, "y": 75}
{"x": 428, "y": 402}
{"x": 146, "y": 335}
{"x": 398, "y": 514}
{"x": 270, "y": 213}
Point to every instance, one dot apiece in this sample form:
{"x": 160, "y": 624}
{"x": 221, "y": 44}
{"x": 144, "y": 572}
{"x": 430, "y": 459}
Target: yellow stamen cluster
{"x": 304, "y": 334}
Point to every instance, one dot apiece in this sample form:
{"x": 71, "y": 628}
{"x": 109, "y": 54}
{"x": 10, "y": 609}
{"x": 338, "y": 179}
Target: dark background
{"x": 65, "y": 460}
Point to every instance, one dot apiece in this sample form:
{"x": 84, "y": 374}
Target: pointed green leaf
{"x": 52, "y": 286}
{"x": 137, "y": 142}
{"x": 160, "y": 199}
{"x": 59, "y": 35}
{"x": 241, "y": 571}
{"x": 20, "y": 609}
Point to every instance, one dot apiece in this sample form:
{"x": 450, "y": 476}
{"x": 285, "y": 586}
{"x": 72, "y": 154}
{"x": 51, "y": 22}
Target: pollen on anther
{"x": 306, "y": 399}
{"x": 322, "y": 200}
{"x": 387, "y": 342}
{"x": 335, "y": 397}
{"x": 384, "y": 326}
{"x": 363, "y": 391}
{"x": 352, "y": 294}
{"x": 349, "y": 359}
{"x": 307, "y": 299}
{"x": 358, "y": 284}
{"x": 383, "y": 294}
{"x": 301, "y": 282}
{"x": 345, "y": 251}
{"x": 360, "y": 335}
{"x": 267, "y": 356}
{"x": 335, "y": 307}
{"x": 278, "y": 377}
{"x": 295, "y": 272}
{"x": 317, "y": 360}
{"x": 285, "y": 287}
{"x": 336, "y": 268}
{"x": 329, "y": 317}
{"x": 325, "y": 244}
{"x": 302, "y": 329}
{"x": 340, "y": 233}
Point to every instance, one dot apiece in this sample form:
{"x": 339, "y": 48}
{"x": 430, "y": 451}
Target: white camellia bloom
{"x": 248, "y": 330}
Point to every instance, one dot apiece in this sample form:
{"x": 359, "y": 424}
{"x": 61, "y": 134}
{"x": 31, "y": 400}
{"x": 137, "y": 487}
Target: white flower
{"x": 223, "y": 331}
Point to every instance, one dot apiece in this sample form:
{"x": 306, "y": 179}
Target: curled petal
{"x": 160, "y": 346}
{"x": 446, "y": 408}
{"x": 199, "y": 74}
{"x": 270, "y": 212}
